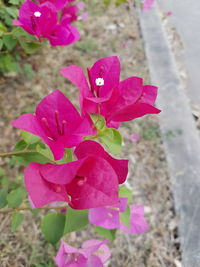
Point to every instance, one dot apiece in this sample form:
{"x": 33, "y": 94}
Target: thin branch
{"x": 9, "y": 210}
{"x": 15, "y": 153}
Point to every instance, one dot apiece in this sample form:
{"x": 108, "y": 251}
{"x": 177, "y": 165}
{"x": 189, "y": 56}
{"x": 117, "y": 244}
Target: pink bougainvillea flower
{"x": 105, "y": 94}
{"x": 59, "y": 4}
{"x": 70, "y": 13}
{"x": 37, "y": 20}
{"x": 63, "y": 35}
{"x": 94, "y": 253}
{"x": 108, "y": 217}
{"x": 148, "y": 4}
{"x": 57, "y": 122}
{"x": 41, "y": 21}
{"x": 86, "y": 183}
{"x": 88, "y": 148}
{"x": 138, "y": 224}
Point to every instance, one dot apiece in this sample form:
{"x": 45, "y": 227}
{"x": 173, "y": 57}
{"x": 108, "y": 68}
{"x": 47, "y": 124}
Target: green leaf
{"x": 9, "y": 42}
{"x": 107, "y": 233}
{"x": 25, "y": 158}
{"x": 29, "y": 138}
{"x": 125, "y": 217}
{"x": 98, "y": 121}
{"x": 16, "y": 220}
{"x": 15, "y": 197}
{"x": 12, "y": 11}
{"x": 9, "y": 64}
{"x": 75, "y": 220}
{"x": 52, "y": 226}
{"x": 112, "y": 139}
{"x": 14, "y": 2}
{"x": 30, "y": 47}
{"x": 3, "y": 200}
{"x": 1, "y": 44}
{"x": 46, "y": 152}
{"x": 126, "y": 192}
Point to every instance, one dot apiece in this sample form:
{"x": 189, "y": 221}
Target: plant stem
{"x": 9, "y": 210}
{"x": 15, "y": 153}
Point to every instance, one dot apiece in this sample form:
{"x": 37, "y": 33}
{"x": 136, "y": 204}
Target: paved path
{"x": 186, "y": 19}
{"x": 180, "y": 136}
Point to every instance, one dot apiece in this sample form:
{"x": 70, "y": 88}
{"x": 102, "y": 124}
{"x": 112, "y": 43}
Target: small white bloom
{"x": 99, "y": 81}
{"x": 37, "y": 14}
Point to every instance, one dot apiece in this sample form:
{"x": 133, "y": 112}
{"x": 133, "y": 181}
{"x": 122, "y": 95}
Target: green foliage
{"x": 107, "y": 233}
{"x": 98, "y": 121}
{"x": 29, "y": 138}
{"x": 125, "y": 217}
{"x": 32, "y": 156}
{"x": 16, "y": 220}
{"x": 75, "y": 220}
{"x": 16, "y": 197}
{"x": 126, "y": 192}
{"x": 112, "y": 139}
{"x": 52, "y": 226}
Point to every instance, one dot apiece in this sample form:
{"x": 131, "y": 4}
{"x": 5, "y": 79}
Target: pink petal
{"x": 61, "y": 174}
{"x": 135, "y": 138}
{"x": 133, "y": 111}
{"x": 107, "y": 68}
{"x": 95, "y": 245}
{"x": 95, "y": 185}
{"x": 104, "y": 217}
{"x": 138, "y": 224}
{"x": 59, "y": 4}
{"x": 40, "y": 191}
{"x": 131, "y": 89}
{"x": 149, "y": 94}
{"x": 69, "y": 256}
{"x": 76, "y": 75}
{"x": 29, "y": 122}
{"x": 63, "y": 35}
{"x": 94, "y": 260}
{"x": 108, "y": 217}
{"x": 87, "y": 148}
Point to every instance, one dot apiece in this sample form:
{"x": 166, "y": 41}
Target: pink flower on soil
{"x": 41, "y": 21}
{"x": 109, "y": 217}
{"x": 94, "y": 253}
{"x": 57, "y": 122}
{"x": 116, "y": 101}
{"x": 92, "y": 148}
{"x": 86, "y": 183}
{"x": 135, "y": 138}
{"x": 148, "y": 4}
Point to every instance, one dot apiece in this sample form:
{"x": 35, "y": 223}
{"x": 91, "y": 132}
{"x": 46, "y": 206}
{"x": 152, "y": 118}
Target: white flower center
{"x": 99, "y": 81}
{"x": 37, "y": 14}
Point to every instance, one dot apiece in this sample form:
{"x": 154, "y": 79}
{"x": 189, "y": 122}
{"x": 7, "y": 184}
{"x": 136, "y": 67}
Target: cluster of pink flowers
{"x": 94, "y": 253}
{"x": 50, "y": 19}
{"x": 92, "y": 180}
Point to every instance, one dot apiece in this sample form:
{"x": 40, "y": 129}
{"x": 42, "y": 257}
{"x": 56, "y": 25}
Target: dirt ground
{"x": 108, "y": 32}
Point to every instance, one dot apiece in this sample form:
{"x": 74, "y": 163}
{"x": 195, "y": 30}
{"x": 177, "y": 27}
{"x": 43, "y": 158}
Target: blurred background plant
{"x": 15, "y": 43}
